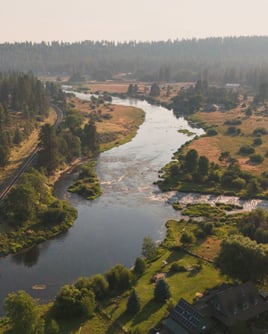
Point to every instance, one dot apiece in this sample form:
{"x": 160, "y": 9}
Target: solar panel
{"x": 186, "y": 315}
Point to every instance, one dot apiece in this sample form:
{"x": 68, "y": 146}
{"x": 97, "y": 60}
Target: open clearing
{"x": 213, "y": 146}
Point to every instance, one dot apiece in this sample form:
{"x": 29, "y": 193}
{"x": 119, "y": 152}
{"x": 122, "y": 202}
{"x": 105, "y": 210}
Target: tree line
{"x": 23, "y": 102}
{"x": 219, "y": 60}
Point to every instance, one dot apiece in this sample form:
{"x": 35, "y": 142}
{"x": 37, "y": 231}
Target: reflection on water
{"x": 28, "y": 258}
{"x": 110, "y": 229}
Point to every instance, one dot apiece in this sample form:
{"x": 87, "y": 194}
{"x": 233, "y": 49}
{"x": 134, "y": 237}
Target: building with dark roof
{"x": 224, "y": 307}
{"x": 185, "y": 319}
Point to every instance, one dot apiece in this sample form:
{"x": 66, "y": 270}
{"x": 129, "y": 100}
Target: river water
{"x": 111, "y": 229}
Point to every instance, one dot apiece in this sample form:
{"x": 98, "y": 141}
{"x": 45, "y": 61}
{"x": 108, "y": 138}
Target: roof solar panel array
{"x": 186, "y": 315}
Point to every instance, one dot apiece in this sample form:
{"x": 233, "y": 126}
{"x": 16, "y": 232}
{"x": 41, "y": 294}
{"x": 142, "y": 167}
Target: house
{"x": 223, "y": 307}
{"x": 185, "y": 319}
{"x": 237, "y": 304}
{"x": 233, "y": 86}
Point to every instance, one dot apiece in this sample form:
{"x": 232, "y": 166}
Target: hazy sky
{"x": 120, "y": 20}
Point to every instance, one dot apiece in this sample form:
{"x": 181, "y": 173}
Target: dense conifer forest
{"x": 218, "y": 60}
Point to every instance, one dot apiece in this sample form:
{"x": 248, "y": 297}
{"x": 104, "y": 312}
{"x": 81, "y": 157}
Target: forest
{"x": 218, "y": 60}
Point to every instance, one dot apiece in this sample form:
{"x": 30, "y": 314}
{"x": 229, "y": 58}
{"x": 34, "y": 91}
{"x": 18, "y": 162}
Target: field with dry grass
{"x": 213, "y": 146}
{"x": 117, "y": 124}
{"x": 20, "y": 152}
{"x": 143, "y": 88}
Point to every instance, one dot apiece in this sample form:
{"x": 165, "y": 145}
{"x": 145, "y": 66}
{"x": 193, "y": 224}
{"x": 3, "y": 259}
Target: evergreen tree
{"x": 191, "y": 161}
{"x": 133, "y": 303}
{"x": 49, "y": 156}
{"x": 155, "y": 90}
{"x": 161, "y": 291}
{"x": 203, "y": 166}
{"x": 139, "y": 266}
{"x": 90, "y": 138}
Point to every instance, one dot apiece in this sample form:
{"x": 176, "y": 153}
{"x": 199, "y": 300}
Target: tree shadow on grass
{"x": 70, "y": 326}
{"x": 119, "y": 323}
{"x": 146, "y": 312}
{"x": 176, "y": 255}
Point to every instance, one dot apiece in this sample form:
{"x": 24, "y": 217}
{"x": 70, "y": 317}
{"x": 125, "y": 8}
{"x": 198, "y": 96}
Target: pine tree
{"x": 161, "y": 291}
{"x": 133, "y": 303}
{"x": 139, "y": 266}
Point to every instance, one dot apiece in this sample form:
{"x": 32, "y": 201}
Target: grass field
{"x": 121, "y": 125}
{"x": 213, "y": 146}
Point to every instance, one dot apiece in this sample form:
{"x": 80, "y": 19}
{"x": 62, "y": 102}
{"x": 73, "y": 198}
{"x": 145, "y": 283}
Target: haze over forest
{"x": 218, "y": 60}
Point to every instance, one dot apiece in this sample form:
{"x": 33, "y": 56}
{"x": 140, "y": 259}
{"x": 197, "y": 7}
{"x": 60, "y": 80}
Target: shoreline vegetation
{"x": 190, "y": 252}
{"x": 187, "y": 255}
{"x": 115, "y": 130}
{"x": 87, "y": 183}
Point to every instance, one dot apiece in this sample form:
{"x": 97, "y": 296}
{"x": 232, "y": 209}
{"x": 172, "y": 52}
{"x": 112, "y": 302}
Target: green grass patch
{"x": 203, "y": 210}
{"x": 186, "y": 132}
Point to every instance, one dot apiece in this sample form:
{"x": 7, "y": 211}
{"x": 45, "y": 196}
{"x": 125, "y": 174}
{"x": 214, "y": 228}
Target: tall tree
{"x": 23, "y": 313}
{"x": 90, "y": 138}
{"x": 161, "y": 291}
{"x": 149, "y": 249}
{"x": 49, "y": 156}
{"x": 133, "y": 303}
{"x": 191, "y": 160}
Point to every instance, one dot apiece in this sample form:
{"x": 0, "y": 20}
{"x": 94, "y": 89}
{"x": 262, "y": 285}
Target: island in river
{"x": 192, "y": 281}
{"x": 44, "y": 216}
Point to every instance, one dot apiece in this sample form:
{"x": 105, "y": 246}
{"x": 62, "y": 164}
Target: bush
{"x": 176, "y": 267}
{"x": 245, "y": 149}
{"x": 233, "y": 131}
{"x": 187, "y": 238}
{"x": 212, "y": 132}
{"x": 256, "y": 158}
{"x": 233, "y": 122}
{"x": 72, "y": 302}
{"x": 259, "y": 132}
{"x": 238, "y": 183}
{"x": 257, "y": 141}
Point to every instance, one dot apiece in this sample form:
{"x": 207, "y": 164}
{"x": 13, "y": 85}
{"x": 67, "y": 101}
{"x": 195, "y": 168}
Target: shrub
{"x": 187, "y": 238}
{"x": 257, "y": 141}
{"x": 259, "y": 132}
{"x": 238, "y": 183}
{"x": 256, "y": 158}
{"x": 233, "y": 122}
{"x": 245, "y": 149}
{"x": 212, "y": 132}
{"x": 233, "y": 131}
{"x": 176, "y": 267}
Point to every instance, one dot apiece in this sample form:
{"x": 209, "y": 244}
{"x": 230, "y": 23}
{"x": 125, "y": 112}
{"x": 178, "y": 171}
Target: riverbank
{"x": 116, "y": 124}
{"x": 118, "y": 129}
{"x": 230, "y": 159}
{"x": 129, "y": 209}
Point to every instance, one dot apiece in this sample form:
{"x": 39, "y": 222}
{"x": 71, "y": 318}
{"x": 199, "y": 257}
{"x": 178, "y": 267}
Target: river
{"x": 111, "y": 229}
